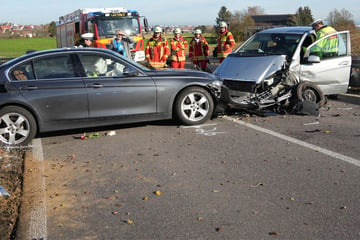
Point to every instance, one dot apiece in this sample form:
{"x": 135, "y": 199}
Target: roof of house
{"x": 272, "y": 18}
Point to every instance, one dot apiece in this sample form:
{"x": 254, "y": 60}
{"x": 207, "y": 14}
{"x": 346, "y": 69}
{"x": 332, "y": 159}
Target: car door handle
{"x": 344, "y": 63}
{"x": 29, "y": 88}
{"x": 96, "y": 85}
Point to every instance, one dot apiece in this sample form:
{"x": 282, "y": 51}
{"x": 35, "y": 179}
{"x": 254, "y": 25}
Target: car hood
{"x": 249, "y": 68}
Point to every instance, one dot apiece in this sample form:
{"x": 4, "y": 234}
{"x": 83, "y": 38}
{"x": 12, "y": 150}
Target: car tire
{"x": 17, "y": 126}
{"x": 310, "y": 92}
{"x": 193, "y": 106}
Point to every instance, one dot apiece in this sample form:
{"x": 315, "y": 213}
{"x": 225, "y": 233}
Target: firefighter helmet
{"x": 197, "y": 31}
{"x": 157, "y": 29}
{"x": 177, "y": 30}
{"x": 223, "y": 24}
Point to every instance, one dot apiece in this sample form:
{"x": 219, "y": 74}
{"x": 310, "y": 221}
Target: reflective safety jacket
{"x": 328, "y": 45}
{"x": 225, "y": 43}
{"x": 198, "y": 49}
{"x": 178, "y": 47}
{"x": 157, "y": 52}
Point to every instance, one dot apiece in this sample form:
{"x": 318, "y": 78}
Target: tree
{"x": 303, "y": 16}
{"x": 341, "y": 20}
{"x": 223, "y": 15}
{"x": 241, "y": 23}
{"x": 52, "y": 29}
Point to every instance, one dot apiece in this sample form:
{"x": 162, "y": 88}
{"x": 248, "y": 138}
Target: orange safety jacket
{"x": 178, "y": 47}
{"x": 199, "y": 50}
{"x": 157, "y": 52}
{"x": 225, "y": 43}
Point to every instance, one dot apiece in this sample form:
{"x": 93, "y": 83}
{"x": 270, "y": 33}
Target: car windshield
{"x": 270, "y": 44}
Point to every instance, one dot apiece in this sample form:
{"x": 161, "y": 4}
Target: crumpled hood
{"x": 249, "y": 68}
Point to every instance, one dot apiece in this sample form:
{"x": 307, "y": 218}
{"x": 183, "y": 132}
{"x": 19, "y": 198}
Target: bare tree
{"x": 341, "y": 20}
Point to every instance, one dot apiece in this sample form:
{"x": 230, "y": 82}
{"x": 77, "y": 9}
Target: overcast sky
{"x": 165, "y": 12}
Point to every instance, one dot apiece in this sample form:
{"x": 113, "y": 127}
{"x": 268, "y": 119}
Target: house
{"x": 270, "y": 21}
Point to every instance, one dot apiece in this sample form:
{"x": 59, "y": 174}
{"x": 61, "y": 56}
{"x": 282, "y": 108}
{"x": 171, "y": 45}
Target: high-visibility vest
{"x": 178, "y": 47}
{"x": 157, "y": 52}
{"x": 225, "y": 43}
{"x": 198, "y": 50}
{"x": 329, "y": 45}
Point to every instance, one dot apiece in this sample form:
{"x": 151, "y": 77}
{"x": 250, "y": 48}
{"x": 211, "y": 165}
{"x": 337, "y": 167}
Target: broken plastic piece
{"x": 4, "y": 193}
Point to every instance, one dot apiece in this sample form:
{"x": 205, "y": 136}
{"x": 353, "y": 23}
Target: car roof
{"x": 297, "y": 29}
{"x": 57, "y": 50}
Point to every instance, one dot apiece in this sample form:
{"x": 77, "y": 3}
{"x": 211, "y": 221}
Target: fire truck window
{"x": 54, "y": 67}
{"x": 77, "y": 27}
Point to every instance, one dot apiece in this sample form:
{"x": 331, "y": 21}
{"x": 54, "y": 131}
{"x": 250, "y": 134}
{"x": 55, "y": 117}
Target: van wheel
{"x": 17, "y": 126}
{"x": 310, "y": 92}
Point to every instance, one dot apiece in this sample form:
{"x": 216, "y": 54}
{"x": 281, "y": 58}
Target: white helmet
{"x": 222, "y": 24}
{"x": 157, "y": 29}
{"x": 177, "y": 30}
{"x": 197, "y": 31}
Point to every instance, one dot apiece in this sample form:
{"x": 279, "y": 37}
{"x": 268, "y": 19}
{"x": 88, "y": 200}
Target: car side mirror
{"x": 130, "y": 72}
{"x": 313, "y": 59}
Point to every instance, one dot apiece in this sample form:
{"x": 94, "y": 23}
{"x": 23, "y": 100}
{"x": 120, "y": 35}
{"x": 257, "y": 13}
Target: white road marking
{"x": 339, "y": 156}
{"x": 38, "y": 227}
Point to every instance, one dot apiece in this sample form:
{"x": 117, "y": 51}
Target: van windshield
{"x": 270, "y": 44}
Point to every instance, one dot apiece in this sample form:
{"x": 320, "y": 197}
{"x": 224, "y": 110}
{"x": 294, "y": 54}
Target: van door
{"x": 329, "y": 70}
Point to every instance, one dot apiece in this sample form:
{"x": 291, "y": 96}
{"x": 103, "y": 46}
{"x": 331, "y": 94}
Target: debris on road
{"x": 4, "y": 193}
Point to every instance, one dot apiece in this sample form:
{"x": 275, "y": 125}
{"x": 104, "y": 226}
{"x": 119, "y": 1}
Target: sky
{"x": 165, "y": 12}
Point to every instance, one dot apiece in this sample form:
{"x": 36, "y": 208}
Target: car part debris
{"x": 4, "y": 193}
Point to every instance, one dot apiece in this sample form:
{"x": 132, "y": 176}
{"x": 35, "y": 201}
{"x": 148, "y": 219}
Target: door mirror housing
{"x": 313, "y": 59}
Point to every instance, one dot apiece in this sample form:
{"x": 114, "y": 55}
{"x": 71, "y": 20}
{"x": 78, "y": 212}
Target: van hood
{"x": 249, "y": 68}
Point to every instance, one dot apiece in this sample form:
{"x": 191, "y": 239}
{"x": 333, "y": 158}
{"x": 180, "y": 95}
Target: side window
{"x": 54, "y": 67}
{"x": 22, "y": 72}
{"x": 334, "y": 45}
{"x": 101, "y": 66}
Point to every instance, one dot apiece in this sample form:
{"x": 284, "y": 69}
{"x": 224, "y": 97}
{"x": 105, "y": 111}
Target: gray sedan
{"x": 85, "y": 87}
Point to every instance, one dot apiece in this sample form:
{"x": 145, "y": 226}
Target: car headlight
{"x": 216, "y": 84}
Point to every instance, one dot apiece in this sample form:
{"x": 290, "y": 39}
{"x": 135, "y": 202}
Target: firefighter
{"x": 86, "y": 40}
{"x": 157, "y": 49}
{"x": 178, "y": 46}
{"x": 328, "y": 47}
{"x": 122, "y": 44}
{"x": 225, "y": 43}
{"x": 199, "y": 50}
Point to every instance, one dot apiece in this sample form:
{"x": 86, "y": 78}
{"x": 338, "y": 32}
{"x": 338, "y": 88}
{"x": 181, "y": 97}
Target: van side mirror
{"x": 313, "y": 59}
{"x": 146, "y": 24}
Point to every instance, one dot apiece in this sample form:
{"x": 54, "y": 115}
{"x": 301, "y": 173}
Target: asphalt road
{"x": 238, "y": 176}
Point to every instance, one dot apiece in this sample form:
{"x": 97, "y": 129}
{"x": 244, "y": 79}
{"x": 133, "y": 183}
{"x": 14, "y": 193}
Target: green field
{"x": 10, "y": 48}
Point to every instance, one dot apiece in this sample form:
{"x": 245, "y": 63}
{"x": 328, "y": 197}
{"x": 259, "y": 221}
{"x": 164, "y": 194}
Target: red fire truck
{"x": 103, "y": 22}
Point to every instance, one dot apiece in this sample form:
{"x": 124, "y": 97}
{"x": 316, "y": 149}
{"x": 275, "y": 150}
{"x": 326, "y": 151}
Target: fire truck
{"x": 103, "y": 22}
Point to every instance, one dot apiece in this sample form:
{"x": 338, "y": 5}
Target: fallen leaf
{"x": 145, "y": 198}
{"x": 129, "y": 221}
{"x": 273, "y": 233}
{"x": 158, "y": 193}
